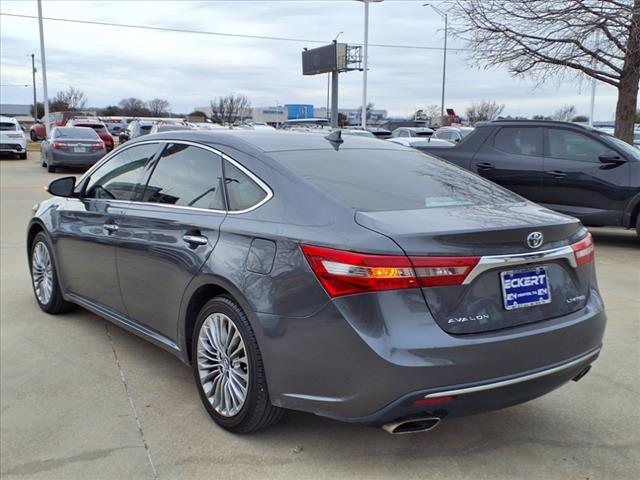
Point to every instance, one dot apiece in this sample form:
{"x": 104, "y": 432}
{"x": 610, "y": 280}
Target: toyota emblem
{"x": 534, "y": 239}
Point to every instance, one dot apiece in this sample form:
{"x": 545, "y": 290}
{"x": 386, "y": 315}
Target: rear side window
{"x": 120, "y": 177}
{"x": 520, "y": 140}
{"x": 384, "y": 180}
{"x": 242, "y": 191}
{"x": 187, "y": 176}
{"x": 574, "y": 145}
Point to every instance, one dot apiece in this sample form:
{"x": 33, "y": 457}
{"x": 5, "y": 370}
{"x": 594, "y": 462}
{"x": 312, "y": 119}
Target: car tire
{"x": 34, "y": 137}
{"x": 232, "y": 385}
{"x": 50, "y": 168}
{"x": 44, "y": 278}
{"x": 638, "y": 225}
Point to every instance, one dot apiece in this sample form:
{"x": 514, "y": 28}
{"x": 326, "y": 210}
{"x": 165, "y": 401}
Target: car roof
{"x": 537, "y": 123}
{"x": 8, "y": 119}
{"x": 271, "y": 141}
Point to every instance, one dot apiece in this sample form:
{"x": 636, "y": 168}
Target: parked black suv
{"x": 567, "y": 167}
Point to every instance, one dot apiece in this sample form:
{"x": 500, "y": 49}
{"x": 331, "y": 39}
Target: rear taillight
{"x": 440, "y": 271}
{"x": 344, "y": 273}
{"x": 97, "y": 146}
{"x": 584, "y": 250}
{"x": 59, "y": 145}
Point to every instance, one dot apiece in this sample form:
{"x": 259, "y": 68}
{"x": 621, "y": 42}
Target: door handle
{"x": 110, "y": 227}
{"x": 485, "y": 166}
{"x": 195, "y": 239}
{"x": 557, "y": 174}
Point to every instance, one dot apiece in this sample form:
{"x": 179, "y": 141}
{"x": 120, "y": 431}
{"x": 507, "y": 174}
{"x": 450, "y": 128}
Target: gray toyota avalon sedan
{"x": 355, "y": 279}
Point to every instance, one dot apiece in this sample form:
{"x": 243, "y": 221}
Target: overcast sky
{"x": 110, "y": 63}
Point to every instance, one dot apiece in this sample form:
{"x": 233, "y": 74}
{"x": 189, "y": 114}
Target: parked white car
{"x": 12, "y": 138}
{"x": 416, "y": 142}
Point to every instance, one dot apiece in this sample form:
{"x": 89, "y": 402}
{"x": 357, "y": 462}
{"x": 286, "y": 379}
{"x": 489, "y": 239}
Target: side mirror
{"x": 62, "y": 187}
{"x": 611, "y": 157}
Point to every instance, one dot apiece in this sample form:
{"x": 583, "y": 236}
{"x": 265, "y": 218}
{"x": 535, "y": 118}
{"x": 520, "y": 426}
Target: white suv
{"x": 12, "y": 139}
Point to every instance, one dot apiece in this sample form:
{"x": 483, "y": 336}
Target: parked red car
{"x": 100, "y": 128}
{"x": 56, "y": 119}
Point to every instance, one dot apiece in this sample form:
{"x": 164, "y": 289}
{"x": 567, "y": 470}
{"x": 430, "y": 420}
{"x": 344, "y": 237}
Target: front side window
{"x": 120, "y": 177}
{"x": 520, "y": 140}
{"x": 187, "y": 176}
{"x": 574, "y": 145}
{"x": 242, "y": 191}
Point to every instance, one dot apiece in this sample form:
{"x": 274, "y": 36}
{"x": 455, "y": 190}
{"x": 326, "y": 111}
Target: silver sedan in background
{"x": 71, "y": 147}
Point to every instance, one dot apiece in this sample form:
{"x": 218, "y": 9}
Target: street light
{"x": 444, "y": 59}
{"x": 329, "y": 75}
{"x": 365, "y": 55}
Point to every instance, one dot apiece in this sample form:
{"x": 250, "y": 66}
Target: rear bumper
{"x": 368, "y": 359}
{"x": 60, "y": 159}
{"x": 13, "y": 147}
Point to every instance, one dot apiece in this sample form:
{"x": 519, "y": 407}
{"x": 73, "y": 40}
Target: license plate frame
{"x": 538, "y": 277}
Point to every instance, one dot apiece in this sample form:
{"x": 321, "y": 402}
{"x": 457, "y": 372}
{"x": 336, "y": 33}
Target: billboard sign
{"x": 324, "y": 59}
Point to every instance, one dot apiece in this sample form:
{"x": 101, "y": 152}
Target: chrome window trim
{"x": 496, "y": 261}
{"x": 513, "y": 381}
{"x": 163, "y": 143}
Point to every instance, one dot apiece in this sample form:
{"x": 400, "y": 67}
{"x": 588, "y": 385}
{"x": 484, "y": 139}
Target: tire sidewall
{"x": 230, "y": 309}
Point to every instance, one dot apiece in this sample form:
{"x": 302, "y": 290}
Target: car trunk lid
{"x": 506, "y": 277}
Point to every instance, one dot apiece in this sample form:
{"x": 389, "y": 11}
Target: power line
{"x": 218, "y": 34}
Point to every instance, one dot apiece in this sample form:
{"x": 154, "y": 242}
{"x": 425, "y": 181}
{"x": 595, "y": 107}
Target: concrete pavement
{"x": 82, "y": 399}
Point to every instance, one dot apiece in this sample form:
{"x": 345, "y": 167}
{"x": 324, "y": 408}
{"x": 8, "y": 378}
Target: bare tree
{"x": 484, "y": 110}
{"x": 565, "y": 113}
{"x": 158, "y": 107}
{"x": 228, "y": 109}
{"x": 134, "y": 107}
{"x": 69, "y": 99}
{"x": 550, "y": 38}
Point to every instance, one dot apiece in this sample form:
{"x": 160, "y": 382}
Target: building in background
{"x": 270, "y": 115}
{"x": 298, "y": 111}
{"x": 22, "y": 113}
{"x": 353, "y": 115}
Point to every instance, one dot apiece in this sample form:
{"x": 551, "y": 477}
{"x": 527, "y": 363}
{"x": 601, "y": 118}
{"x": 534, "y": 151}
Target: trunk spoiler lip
{"x": 489, "y": 262}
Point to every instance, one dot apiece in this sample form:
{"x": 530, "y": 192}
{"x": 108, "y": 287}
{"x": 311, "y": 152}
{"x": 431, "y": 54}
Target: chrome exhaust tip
{"x": 413, "y": 425}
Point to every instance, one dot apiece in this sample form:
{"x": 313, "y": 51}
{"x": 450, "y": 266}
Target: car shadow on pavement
{"x": 615, "y": 237}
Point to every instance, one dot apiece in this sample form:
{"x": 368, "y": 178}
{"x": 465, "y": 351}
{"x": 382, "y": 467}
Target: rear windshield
{"x": 8, "y": 126}
{"x": 80, "y": 132}
{"x": 383, "y": 180}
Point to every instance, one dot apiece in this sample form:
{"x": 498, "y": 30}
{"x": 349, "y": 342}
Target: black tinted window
{"x": 382, "y": 180}
{"x": 187, "y": 176}
{"x": 574, "y": 145}
{"x": 120, "y": 177}
{"x": 242, "y": 192}
{"x": 520, "y": 140}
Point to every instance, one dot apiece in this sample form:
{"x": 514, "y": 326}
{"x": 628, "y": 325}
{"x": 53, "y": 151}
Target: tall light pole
{"x": 444, "y": 57}
{"x": 44, "y": 69}
{"x": 365, "y": 54}
{"x": 35, "y": 100}
{"x": 329, "y": 75}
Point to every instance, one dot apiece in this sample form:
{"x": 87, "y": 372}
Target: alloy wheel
{"x": 223, "y": 365}
{"x": 42, "y": 273}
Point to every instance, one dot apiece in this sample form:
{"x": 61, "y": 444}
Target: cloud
{"x": 110, "y": 63}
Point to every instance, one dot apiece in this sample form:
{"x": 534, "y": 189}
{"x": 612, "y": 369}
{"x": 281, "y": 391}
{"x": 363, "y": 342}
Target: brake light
{"x": 584, "y": 250}
{"x": 97, "y": 146}
{"x": 344, "y": 273}
{"x": 59, "y": 145}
